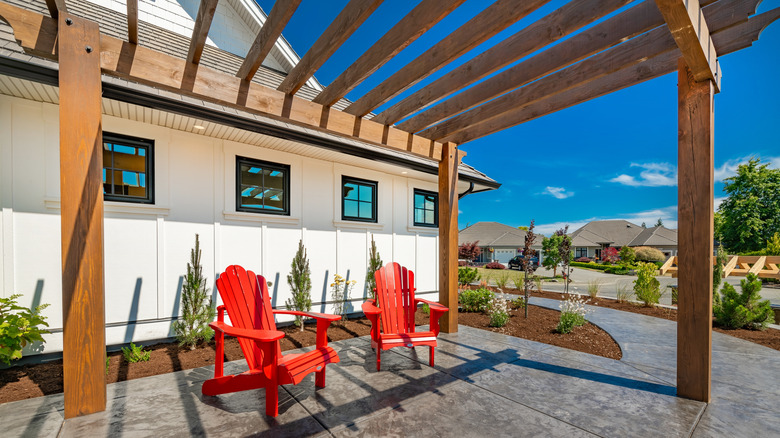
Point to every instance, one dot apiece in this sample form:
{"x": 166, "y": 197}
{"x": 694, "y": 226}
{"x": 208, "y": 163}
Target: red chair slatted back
{"x": 248, "y": 305}
{"x": 395, "y": 293}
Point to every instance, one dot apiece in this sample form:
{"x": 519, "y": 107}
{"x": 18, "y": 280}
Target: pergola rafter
{"x": 624, "y": 50}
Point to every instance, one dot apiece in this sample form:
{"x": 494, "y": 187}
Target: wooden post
{"x": 448, "y": 236}
{"x": 695, "y": 231}
{"x": 81, "y": 200}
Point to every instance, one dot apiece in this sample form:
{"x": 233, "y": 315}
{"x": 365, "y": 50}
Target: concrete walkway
{"x": 484, "y": 384}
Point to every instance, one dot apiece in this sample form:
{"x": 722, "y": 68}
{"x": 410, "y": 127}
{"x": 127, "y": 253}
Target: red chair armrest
{"x": 369, "y": 308}
{"x": 435, "y": 307}
{"x": 257, "y": 335}
{"x": 315, "y": 315}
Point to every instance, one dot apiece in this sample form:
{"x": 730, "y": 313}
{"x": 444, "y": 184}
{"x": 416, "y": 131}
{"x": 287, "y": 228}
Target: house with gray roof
{"x": 499, "y": 242}
{"x": 592, "y": 238}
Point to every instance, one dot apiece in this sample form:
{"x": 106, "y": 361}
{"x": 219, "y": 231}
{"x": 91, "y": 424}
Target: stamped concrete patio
{"x": 484, "y": 384}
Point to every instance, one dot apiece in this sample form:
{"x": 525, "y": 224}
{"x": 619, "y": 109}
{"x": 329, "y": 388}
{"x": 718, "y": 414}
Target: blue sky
{"x": 614, "y": 157}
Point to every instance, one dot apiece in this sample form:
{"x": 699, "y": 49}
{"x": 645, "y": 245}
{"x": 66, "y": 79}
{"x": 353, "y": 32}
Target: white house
{"x": 250, "y": 186}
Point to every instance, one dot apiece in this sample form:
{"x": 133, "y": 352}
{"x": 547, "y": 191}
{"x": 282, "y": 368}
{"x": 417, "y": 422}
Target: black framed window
{"x": 358, "y": 199}
{"x": 426, "y": 208}
{"x": 128, "y": 169}
{"x": 581, "y": 252}
{"x": 262, "y": 187}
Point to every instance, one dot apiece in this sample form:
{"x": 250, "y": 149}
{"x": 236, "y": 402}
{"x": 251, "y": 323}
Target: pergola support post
{"x": 81, "y": 200}
{"x": 695, "y": 216}
{"x": 448, "y": 236}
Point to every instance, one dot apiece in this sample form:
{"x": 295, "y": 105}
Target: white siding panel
{"x": 179, "y": 241}
{"x": 279, "y": 250}
{"x": 321, "y": 249}
{"x": 241, "y": 245}
{"x": 352, "y": 263}
{"x": 426, "y": 273}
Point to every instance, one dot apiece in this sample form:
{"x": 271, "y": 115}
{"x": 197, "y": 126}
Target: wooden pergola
{"x": 645, "y": 41}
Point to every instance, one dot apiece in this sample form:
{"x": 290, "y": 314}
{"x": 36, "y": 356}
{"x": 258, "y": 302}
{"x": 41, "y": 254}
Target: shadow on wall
{"x": 35, "y": 347}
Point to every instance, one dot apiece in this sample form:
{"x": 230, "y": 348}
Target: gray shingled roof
{"x": 655, "y": 236}
{"x": 615, "y": 232}
{"x": 495, "y": 234}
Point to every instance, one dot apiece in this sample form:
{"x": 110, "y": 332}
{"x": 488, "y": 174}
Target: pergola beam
{"x": 548, "y": 29}
{"x": 414, "y": 24}
{"x": 494, "y": 19}
{"x": 280, "y": 15}
{"x": 132, "y": 21}
{"x": 200, "y": 31}
{"x": 346, "y": 23}
{"x": 689, "y": 28}
{"x": 55, "y": 6}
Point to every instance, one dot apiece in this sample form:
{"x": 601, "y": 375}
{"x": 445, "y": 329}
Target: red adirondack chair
{"x": 397, "y": 304}
{"x": 249, "y": 307}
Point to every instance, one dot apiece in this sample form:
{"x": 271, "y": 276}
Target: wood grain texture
{"x": 688, "y": 26}
{"x": 37, "y": 34}
{"x": 489, "y": 22}
{"x": 448, "y": 236}
{"x": 540, "y": 33}
{"x": 200, "y": 30}
{"x": 81, "y": 194}
{"x": 414, "y": 24}
{"x": 695, "y": 231}
{"x": 280, "y": 15}
{"x": 132, "y": 21}
{"x": 55, "y": 6}
{"x": 347, "y": 22}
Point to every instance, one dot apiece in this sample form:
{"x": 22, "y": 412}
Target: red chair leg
{"x": 319, "y": 378}
{"x": 431, "y": 361}
{"x": 378, "y": 358}
{"x": 272, "y": 400}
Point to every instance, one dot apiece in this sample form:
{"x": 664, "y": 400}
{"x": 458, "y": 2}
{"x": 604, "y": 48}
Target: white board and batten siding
{"x": 147, "y": 247}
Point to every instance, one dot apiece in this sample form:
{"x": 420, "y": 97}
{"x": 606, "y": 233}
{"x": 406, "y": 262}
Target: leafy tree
{"x": 627, "y": 256}
{"x": 374, "y": 263}
{"x": 469, "y": 250}
{"x": 660, "y": 223}
{"x": 609, "y": 255}
{"x": 564, "y": 253}
{"x": 751, "y": 212}
{"x": 646, "y": 286}
{"x": 717, "y": 275}
{"x": 522, "y": 228}
{"x": 743, "y": 310}
{"x": 644, "y": 225}
{"x": 773, "y": 245}
{"x": 528, "y": 254}
{"x": 197, "y": 309}
{"x": 551, "y": 256}
{"x": 299, "y": 280}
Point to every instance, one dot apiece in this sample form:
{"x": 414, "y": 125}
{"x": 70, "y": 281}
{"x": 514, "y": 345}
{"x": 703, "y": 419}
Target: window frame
{"x": 285, "y": 168}
{"x": 136, "y": 142}
{"x": 374, "y": 199}
{"x": 579, "y": 250}
{"x": 435, "y": 208}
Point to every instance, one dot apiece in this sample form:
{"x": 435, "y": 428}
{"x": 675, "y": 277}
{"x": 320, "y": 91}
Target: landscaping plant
{"x": 717, "y": 275}
{"x": 647, "y": 288}
{"x": 197, "y": 309}
{"x": 573, "y": 313}
{"x": 374, "y": 263}
{"x": 499, "y": 313}
{"x": 594, "y": 286}
{"x": 501, "y": 280}
{"x": 19, "y": 326}
{"x": 528, "y": 254}
{"x": 495, "y": 265}
{"x": 426, "y": 309}
{"x": 621, "y": 292}
{"x": 648, "y": 254}
{"x": 467, "y": 276}
{"x": 475, "y": 300}
{"x": 469, "y": 251}
{"x": 743, "y": 310}
{"x": 299, "y": 280}
{"x": 518, "y": 303}
{"x": 135, "y": 353}
{"x": 564, "y": 254}
{"x": 627, "y": 256}
{"x": 609, "y": 255}
{"x": 552, "y": 257}
{"x": 340, "y": 294}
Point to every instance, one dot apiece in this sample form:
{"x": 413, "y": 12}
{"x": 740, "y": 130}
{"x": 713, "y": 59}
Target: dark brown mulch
{"x": 540, "y": 327}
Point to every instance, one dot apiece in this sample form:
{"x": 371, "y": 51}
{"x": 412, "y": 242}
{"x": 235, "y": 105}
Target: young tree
{"x": 564, "y": 253}
{"x": 374, "y": 263}
{"x": 609, "y": 255}
{"x": 469, "y": 250}
{"x": 660, "y": 223}
{"x": 744, "y": 310}
{"x": 528, "y": 254}
{"x": 750, "y": 214}
{"x": 627, "y": 256}
{"x": 717, "y": 275}
{"x": 773, "y": 245}
{"x": 551, "y": 256}
{"x": 197, "y": 309}
{"x": 299, "y": 280}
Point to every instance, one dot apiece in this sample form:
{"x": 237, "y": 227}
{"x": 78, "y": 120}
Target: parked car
{"x": 518, "y": 262}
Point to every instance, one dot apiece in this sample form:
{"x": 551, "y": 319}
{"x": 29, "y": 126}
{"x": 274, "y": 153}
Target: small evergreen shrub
{"x": 494, "y": 265}
{"x": 197, "y": 309}
{"x": 590, "y": 265}
{"x": 647, "y": 288}
{"x": 476, "y": 300}
{"x": 648, "y": 254}
{"x": 299, "y": 280}
{"x": 19, "y": 326}
{"x": 426, "y": 309}
{"x": 573, "y": 313}
{"x": 374, "y": 264}
{"x": 499, "y": 313}
{"x": 135, "y": 353}
{"x": 627, "y": 256}
{"x": 467, "y": 276}
{"x": 743, "y": 310}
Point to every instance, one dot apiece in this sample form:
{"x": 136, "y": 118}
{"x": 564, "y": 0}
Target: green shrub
{"x": 590, "y": 265}
{"x": 19, "y": 326}
{"x": 499, "y": 313}
{"x": 594, "y": 287}
{"x": 501, "y": 280}
{"x": 299, "y": 280}
{"x": 743, "y": 310}
{"x": 426, "y": 309}
{"x": 648, "y": 254}
{"x": 135, "y": 353}
{"x": 647, "y": 288}
{"x": 197, "y": 311}
{"x": 476, "y": 300}
{"x": 495, "y": 265}
{"x": 518, "y": 303}
{"x": 618, "y": 270}
{"x": 675, "y": 294}
{"x": 627, "y": 256}
{"x": 573, "y": 313}
{"x": 467, "y": 276}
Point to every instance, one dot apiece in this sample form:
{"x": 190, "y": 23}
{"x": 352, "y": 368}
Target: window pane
{"x": 429, "y": 203}
{"x": 419, "y": 201}
{"x": 350, "y": 208}
{"x": 429, "y": 217}
{"x": 419, "y": 215}
{"x": 366, "y": 193}
{"x": 350, "y": 191}
{"x": 365, "y": 210}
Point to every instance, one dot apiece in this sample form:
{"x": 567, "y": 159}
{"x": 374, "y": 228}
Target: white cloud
{"x": 558, "y": 192}
{"x": 719, "y": 201}
{"x": 729, "y": 168}
{"x": 652, "y": 175}
{"x": 667, "y": 214}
